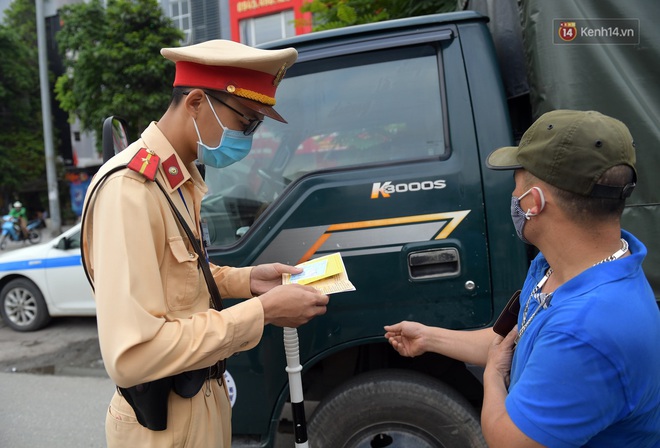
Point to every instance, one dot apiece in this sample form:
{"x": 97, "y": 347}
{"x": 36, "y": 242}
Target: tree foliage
{"x": 113, "y": 62}
{"x": 329, "y": 14}
{"x": 22, "y": 159}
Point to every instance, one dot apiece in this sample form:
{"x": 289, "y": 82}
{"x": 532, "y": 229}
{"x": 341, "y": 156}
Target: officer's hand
{"x": 265, "y": 277}
{"x": 407, "y": 338}
{"x": 292, "y": 305}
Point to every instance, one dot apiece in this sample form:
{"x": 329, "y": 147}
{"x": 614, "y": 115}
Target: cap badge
{"x": 280, "y": 74}
{"x": 231, "y": 88}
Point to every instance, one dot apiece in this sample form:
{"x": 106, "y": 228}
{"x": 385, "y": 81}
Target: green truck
{"x": 383, "y": 160}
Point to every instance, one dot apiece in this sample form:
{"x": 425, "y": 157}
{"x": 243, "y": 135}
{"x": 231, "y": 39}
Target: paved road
{"x": 59, "y": 411}
{"x": 53, "y": 411}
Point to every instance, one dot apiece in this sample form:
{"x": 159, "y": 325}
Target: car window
{"x": 73, "y": 241}
{"x": 355, "y": 110}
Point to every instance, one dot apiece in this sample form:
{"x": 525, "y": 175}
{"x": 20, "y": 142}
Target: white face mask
{"x": 520, "y": 217}
{"x": 233, "y": 146}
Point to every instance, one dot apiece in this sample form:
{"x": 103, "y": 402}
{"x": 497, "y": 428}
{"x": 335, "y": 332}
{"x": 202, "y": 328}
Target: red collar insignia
{"x": 173, "y": 171}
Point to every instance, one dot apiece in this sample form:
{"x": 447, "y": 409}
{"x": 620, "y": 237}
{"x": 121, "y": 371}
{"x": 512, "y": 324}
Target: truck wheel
{"x": 395, "y": 409}
{"x": 23, "y": 307}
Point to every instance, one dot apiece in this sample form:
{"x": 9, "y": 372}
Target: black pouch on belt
{"x": 149, "y": 402}
{"x": 187, "y": 384}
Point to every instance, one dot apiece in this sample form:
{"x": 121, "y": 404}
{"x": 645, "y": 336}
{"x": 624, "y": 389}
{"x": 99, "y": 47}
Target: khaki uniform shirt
{"x": 151, "y": 298}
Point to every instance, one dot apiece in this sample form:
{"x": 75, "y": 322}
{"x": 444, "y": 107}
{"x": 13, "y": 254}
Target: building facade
{"x": 254, "y": 22}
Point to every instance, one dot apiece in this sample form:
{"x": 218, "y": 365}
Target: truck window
{"x": 349, "y": 111}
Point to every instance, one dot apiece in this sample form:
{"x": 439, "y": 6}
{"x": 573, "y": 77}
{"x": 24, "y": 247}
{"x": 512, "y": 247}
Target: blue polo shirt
{"x": 586, "y": 372}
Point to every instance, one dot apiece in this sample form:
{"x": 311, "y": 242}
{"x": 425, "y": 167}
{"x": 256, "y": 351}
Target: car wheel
{"x": 395, "y": 409}
{"x": 23, "y": 306}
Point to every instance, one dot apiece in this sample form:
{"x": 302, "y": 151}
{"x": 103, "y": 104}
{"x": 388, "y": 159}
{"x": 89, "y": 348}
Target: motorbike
{"x": 11, "y": 231}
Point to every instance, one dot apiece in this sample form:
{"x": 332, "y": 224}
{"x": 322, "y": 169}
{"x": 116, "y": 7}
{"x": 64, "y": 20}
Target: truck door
{"x": 378, "y": 161}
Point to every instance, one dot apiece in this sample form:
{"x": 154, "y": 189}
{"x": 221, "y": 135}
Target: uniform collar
{"x": 172, "y": 169}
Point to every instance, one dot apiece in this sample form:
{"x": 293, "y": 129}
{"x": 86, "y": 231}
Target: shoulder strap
{"x": 216, "y": 299}
{"x": 83, "y": 219}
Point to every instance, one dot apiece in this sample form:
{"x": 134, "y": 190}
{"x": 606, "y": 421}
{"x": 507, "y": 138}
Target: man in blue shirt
{"x": 582, "y": 367}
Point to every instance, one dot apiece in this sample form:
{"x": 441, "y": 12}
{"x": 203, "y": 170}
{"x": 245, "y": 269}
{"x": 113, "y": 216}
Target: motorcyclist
{"x": 19, "y": 213}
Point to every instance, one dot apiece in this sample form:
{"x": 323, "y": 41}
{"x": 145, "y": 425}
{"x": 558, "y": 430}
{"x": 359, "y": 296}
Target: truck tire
{"x": 395, "y": 409}
{"x": 22, "y": 306}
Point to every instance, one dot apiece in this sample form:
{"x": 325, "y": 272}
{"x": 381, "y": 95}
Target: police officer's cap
{"x": 251, "y": 75}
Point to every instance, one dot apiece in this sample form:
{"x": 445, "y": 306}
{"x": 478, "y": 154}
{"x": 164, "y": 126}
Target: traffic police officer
{"x": 152, "y": 300}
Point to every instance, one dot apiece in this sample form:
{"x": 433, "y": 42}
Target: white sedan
{"x": 44, "y": 281}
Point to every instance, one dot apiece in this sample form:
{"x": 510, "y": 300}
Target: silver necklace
{"x": 544, "y": 298}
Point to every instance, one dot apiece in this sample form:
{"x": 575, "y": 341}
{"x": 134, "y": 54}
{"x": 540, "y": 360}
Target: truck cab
{"x": 382, "y": 160}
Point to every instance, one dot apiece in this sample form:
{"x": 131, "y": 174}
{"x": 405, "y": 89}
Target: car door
{"x": 68, "y": 288}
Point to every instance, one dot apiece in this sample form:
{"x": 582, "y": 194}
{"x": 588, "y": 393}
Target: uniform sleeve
{"x": 567, "y": 393}
{"x": 232, "y": 282}
{"x": 141, "y": 338}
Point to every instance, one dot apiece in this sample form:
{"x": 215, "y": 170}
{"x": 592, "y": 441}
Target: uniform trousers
{"x": 203, "y": 421}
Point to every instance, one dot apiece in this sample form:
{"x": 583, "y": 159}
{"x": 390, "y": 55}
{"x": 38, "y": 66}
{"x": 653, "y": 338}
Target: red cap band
{"x": 216, "y": 77}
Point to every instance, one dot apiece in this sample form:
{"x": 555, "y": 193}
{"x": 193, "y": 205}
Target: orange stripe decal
{"x": 398, "y": 221}
{"x": 312, "y": 250}
{"x": 452, "y": 219}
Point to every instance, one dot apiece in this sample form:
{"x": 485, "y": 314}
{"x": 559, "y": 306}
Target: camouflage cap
{"x": 571, "y": 150}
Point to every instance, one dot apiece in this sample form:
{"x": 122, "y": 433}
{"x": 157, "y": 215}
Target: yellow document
{"x": 327, "y": 274}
